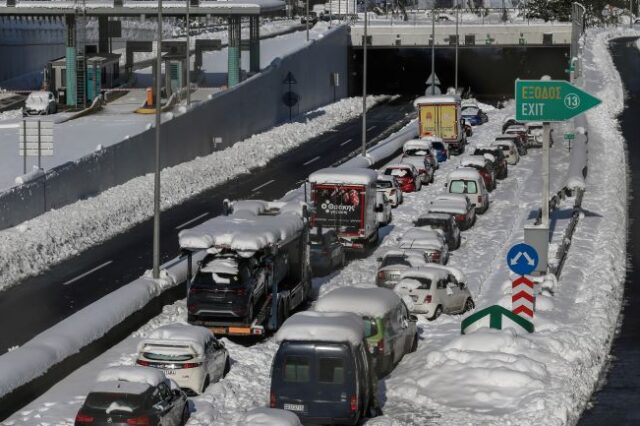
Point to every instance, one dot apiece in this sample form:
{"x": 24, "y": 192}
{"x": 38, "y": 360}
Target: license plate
{"x": 294, "y": 407}
{"x": 169, "y": 372}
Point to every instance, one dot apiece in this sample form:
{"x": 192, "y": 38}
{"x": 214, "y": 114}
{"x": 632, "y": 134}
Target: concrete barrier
{"x": 251, "y": 107}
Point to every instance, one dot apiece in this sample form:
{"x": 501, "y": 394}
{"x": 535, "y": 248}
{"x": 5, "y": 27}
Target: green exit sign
{"x": 569, "y": 136}
{"x": 550, "y": 100}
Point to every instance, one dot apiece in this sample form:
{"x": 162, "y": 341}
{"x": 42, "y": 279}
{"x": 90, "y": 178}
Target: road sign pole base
{"x": 537, "y": 236}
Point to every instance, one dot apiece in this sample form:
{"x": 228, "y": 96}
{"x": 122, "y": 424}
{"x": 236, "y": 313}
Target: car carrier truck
{"x": 256, "y": 270}
{"x": 345, "y": 200}
{"x": 440, "y": 116}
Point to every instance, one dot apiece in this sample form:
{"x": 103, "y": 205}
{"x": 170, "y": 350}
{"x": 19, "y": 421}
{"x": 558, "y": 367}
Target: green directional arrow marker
{"x": 550, "y": 100}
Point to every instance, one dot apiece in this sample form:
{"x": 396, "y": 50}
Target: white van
{"x": 188, "y": 354}
{"x": 468, "y": 181}
{"x": 509, "y": 149}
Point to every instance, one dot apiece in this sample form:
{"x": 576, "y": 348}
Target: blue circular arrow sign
{"x": 522, "y": 259}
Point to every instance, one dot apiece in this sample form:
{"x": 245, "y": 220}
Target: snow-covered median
{"x": 34, "y": 246}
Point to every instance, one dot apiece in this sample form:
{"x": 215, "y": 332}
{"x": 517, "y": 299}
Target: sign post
{"x": 36, "y": 139}
{"x": 522, "y": 259}
{"x": 549, "y": 101}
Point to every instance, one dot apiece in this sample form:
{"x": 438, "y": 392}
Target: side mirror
{"x": 160, "y": 407}
{"x": 413, "y": 318}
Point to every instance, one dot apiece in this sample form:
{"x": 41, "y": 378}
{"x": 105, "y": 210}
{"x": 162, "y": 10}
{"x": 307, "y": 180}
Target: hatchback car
{"x": 444, "y": 222}
{"x": 518, "y": 134}
{"x": 484, "y": 166}
{"x": 509, "y": 149}
{"x": 40, "y": 103}
{"x": 133, "y": 395}
{"x": 462, "y": 209}
{"x": 425, "y": 170}
{"x": 499, "y": 159}
{"x": 407, "y": 176}
{"x": 433, "y": 291}
{"x": 467, "y": 181}
{"x": 429, "y": 244}
{"x": 393, "y": 262}
{"x": 326, "y": 251}
{"x": 390, "y": 186}
{"x": 474, "y": 114}
{"x": 190, "y": 355}
{"x": 441, "y": 149}
{"x": 535, "y": 134}
{"x": 421, "y": 147}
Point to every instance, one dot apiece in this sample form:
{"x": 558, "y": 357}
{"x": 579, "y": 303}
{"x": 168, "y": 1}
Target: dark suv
{"x": 445, "y": 222}
{"x": 500, "y": 163}
{"x": 226, "y": 288}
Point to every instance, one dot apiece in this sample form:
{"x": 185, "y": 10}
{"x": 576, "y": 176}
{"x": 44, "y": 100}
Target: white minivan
{"x": 188, "y": 354}
{"x": 468, "y": 181}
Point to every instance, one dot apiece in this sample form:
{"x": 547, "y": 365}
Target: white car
{"x": 389, "y": 185}
{"x": 383, "y": 208}
{"x": 433, "y": 248}
{"x": 458, "y": 205}
{"x": 510, "y": 150}
{"x": 394, "y": 262}
{"x": 535, "y": 134}
{"x": 40, "y": 103}
{"x": 433, "y": 291}
{"x": 468, "y": 181}
{"x": 188, "y": 354}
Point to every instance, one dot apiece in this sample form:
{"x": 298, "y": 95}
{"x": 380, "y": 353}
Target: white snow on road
{"x": 33, "y": 246}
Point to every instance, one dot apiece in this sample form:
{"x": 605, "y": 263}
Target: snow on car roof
{"x": 464, "y": 173}
{"x": 394, "y": 251}
{"x": 506, "y": 137}
{"x": 416, "y": 144}
{"x": 222, "y": 265}
{"x": 146, "y": 376}
{"x": 431, "y": 138}
{"x": 399, "y": 166}
{"x": 421, "y": 233}
{"x": 420, "y": 244}
{"x": 460, "y": 276}
{"x": 372, "y": 302}
{"x": 386, "y": 178}
{"x": 517, "y": 127}
{"x": 503, "y": 142}
{"x": 443, "y": 99}
{"x": 474, "y": 160}
{"x": 263, "y": 416}
{"x": 461, "y": 199}
{"x": 356, "y": 176}
{"x": 486, "y": 145}
{"x": 194, "y": 336}
{"x": 440, "y": 216}
{"x": 323, "y": 327}
{"x": 447, "y": 206}
{"x": 243, "y": 231}
{"x": 424, "y": 272}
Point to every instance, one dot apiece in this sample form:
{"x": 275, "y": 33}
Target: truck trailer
{"x": 345, "y": 200}
{"x": 256, "y": 270}
{"x": 440, "y": 116}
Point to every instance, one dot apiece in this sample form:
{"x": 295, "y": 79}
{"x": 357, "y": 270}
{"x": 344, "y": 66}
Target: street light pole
{"x": 188, "y": 57}
{"x": 433, "y": 48}
{"x": 306, "y": 19}
{"x": 364, "y": 83}
{"x": 457, "y": 42}
{"x": 156, "y": 181}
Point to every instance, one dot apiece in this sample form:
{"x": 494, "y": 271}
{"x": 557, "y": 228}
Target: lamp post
{"x": 188, "y": 57}
{"x": 457, "y": 43}
{"x": 364, "y": 83}
{"x": 306, "y": 19}
{"x": 433, "y": 48}
{"x": 156, "y": 181}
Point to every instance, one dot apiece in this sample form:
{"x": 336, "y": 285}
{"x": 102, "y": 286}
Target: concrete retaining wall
{"x": 253, "y": 106}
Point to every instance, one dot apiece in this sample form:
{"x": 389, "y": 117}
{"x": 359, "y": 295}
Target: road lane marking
{"x": 91, "y": 271}
{"x": 192, "y": 220}
{"x": 346, "y": 142}
{"x": 371, "y": 128}
{"x": 263, "y": 185}
{"x": 311, "y": 161}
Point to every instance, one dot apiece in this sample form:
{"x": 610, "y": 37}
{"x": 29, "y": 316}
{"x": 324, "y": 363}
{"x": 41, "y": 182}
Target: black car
{"x": 327, "y": 253}
{"x": 226, "y": 288}
{"x": 500, "y": 163}
{"x": 120, "y": 402}
{"x": 446, "y": 223}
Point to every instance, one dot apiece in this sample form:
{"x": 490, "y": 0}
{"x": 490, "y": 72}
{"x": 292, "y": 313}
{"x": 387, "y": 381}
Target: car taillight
{"x": 143, "y": 363}
{"x": 427, "y": 298}
{"x": 83, "y": 418}
{"x": 272, "y": 399}
{"x": 381, "y": 275}
{"x": 479, "y": 198}
{"x": 380, "y": 346}
{"x": 241, "y": 291}
{"x": 435, "y": 256}
{"x": 354, "y": 403}
{"x": 460, "y": 217}
{"x": 139, "y": 421}
{"x": 189, "y": 365}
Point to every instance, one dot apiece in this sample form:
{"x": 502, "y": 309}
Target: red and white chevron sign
{"x": 523, "y": 300}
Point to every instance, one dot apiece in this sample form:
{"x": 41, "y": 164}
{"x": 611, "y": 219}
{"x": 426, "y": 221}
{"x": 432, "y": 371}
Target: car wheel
{"x": 437, "y": 313}
{"x": 185, "y": 414}
{"x": 469, "y": 305}
{"x": 227, "y": 366}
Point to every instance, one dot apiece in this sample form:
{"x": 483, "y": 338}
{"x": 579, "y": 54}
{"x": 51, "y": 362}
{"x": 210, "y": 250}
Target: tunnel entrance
{"x": 488, "y": 72}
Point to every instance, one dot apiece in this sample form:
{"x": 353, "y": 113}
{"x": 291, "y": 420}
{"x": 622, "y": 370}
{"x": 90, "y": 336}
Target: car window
{"x": 442, "y": 284}
{"x": 165, "y": 392}
{"x": 394, "y": 260}
{"x": 101, "y": 401}
{"x": 296, "y": 369}
{"x": 463, "y": 187}
{"x": 331, "y": 370}
{"x": 383, "y": 184}
{"x": 167, "y": 357}
{"x": 370, "y": 327}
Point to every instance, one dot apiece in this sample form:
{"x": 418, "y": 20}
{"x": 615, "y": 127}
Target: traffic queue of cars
{"x": 326, "y": 367}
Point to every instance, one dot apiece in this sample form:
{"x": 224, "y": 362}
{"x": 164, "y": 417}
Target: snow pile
{"x": 11, "y": 114}
{"x": 323, "y": 327}
{"x": 57, "y": 235}
{"x": 364, "y": 301}
{"x": 269, "y": 417}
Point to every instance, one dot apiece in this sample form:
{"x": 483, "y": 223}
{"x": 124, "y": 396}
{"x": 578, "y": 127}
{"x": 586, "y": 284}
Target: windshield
{"x": 208, "y": 280}
{"x": 463, "y": 187}
{"x": 114, "y": 402}
{"x": 394, "y": 260}
{"x": 437, "y": 145}
{"x": 383, "y": 184}
{"x": 434, "y": 223}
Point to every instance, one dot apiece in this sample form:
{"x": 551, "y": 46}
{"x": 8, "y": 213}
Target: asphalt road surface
{"x": 616, "y": 402}
{"x": 40, "y": 302}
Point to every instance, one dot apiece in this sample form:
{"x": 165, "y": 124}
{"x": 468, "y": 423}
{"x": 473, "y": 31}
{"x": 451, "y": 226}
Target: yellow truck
{"x": 440, "y": 116}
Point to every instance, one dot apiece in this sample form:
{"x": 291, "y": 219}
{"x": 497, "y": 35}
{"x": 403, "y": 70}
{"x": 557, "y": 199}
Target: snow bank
{"x": 34, "y": 246}
{"x": 364, "y": 301}
{"x": 269, "y": 417}
{"x": 323, "y": 327}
